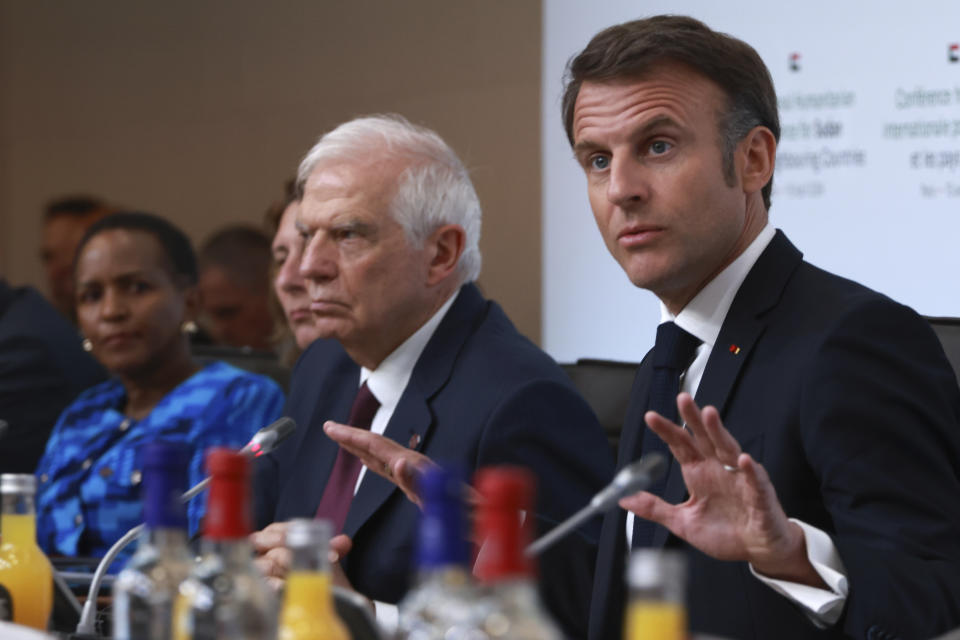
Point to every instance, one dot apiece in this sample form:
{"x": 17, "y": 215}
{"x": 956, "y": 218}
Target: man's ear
{"x": 445, "y": 246}
{"x": 757, "y": 153}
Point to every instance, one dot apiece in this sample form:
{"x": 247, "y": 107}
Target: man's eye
{"x": 660, "y": 147}
{"x": 599, "y": 163}
{"x": 347, "y": 233}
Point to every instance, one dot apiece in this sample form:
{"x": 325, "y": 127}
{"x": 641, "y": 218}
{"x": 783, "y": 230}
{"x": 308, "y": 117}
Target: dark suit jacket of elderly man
{"x": 480, "y": 394}
{"x": 42, "y": 370}
{"x": 848, "y": 401}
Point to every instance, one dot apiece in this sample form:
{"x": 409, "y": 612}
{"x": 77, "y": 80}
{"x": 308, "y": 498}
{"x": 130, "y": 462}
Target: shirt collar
{"x": 390, "y": 378}
{"x": 704, "y": 315}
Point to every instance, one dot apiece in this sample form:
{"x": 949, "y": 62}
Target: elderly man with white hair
{"x": 420, "y": 364}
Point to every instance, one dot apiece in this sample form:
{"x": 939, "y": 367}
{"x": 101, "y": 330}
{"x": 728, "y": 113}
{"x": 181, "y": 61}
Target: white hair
{"x": 434, "y": 189}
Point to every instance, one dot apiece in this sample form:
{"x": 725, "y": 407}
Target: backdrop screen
{"x": 867, "y": 180}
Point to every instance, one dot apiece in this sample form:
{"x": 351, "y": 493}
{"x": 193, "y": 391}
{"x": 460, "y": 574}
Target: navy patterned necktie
{"x": 337, "y": 495}
{"x": 672, "y": 354}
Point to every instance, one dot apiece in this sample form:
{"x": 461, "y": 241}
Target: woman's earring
{"x": 87, "y": 345}
{"x": 189, "y": 327}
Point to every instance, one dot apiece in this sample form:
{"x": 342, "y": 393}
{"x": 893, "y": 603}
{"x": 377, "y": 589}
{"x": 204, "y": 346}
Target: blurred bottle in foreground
{"x": 442, "y": 602}
{"x": 146, "y": 589}
{"x": 226, "y": 597}
{"x": 511, "y": 607}
{"x": 657, "y": 580}
{"x": 308, "y": 612}
{"x": 26, "y": 578}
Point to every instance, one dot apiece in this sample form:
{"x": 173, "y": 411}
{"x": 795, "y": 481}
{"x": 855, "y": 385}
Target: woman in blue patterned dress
{"x": 136, "y": 278}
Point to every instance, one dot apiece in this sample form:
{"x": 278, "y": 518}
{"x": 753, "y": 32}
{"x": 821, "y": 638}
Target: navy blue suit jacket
{"x": 480, "y": 394}
{"x": 848, "y": 401}
{"x": 42, "y": 370}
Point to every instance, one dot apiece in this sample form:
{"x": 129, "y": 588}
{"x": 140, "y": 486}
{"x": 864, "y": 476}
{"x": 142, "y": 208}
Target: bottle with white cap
{"x": 657, "y": 609}
{"x": 26, "y": 578}
{"x": 308, "y": 612}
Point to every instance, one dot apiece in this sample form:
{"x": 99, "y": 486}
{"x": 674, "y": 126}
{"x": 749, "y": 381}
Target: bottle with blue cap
{"x": 442, "y": 601}
{"x": 146, "y": 589}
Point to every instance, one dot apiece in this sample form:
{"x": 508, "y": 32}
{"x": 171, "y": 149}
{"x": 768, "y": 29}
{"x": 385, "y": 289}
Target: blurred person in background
{"x": 42, "y": 370}
{"x": 137, "y": 298}
{"x": 296, "y": 325}
{"x": 65, "y": 220}
{"x": 235, "y": 287}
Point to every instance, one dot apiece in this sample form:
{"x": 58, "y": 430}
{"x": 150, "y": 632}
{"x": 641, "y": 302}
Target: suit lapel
{"x": 334, "y": 399}
{"x": 739, "y": 334}
{"x": 412, "y": 421}
{"x": 633, "y": 425}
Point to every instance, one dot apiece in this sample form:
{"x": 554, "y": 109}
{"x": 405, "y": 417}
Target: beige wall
{"x": 199, "y": 110}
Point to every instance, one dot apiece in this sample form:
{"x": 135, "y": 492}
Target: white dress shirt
{"x": 703, "y": 317}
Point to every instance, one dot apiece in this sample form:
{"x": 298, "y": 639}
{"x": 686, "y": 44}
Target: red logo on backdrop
{"x": 794, "y": 62}
{"x": 953, "y": 52}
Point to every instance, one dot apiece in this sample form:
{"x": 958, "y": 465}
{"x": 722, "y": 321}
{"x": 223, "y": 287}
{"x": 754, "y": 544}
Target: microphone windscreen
{"x": 284, "y": 427}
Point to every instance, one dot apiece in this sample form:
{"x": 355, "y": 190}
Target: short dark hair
{"x": 634, "y": 48}
{"x": 273, "y": 215}
{"x": 241, "y": 250}
{"x": 181, "y": 261}
{"x": 75, "y": 206}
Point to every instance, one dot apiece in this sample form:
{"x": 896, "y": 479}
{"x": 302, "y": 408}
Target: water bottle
{"x": 146, "y": 589}
{"x": 226, "y": 597}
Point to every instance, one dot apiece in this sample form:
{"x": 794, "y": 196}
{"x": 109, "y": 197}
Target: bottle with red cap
{"x": 226, "y": 597}
{"x": 511, "y": 607}
{"x": 146, "y": 589}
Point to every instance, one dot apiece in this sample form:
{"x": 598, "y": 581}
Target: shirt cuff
{"x": 388, "y": 617}
{"x": 822, "y": 606}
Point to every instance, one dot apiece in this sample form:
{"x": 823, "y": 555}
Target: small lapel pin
{"x": 414, "y": 441}
{"x": 734, "y": 349}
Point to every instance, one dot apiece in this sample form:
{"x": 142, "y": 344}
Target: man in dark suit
{"x": 391, "y": 224}
{"x": 42, "y": 370}
{"x": 828, "y": 403}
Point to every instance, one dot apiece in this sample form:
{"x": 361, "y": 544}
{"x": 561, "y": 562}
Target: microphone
{"x": 4, "y": 426}
{"x": 263, "y": 441}
{"x": 267, "y": 439}
{"x": 632, "y": 478}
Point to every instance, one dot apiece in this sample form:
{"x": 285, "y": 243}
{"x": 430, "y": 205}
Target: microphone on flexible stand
{"x": 264, "y": 441}
{"x": 632, "y": 478}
